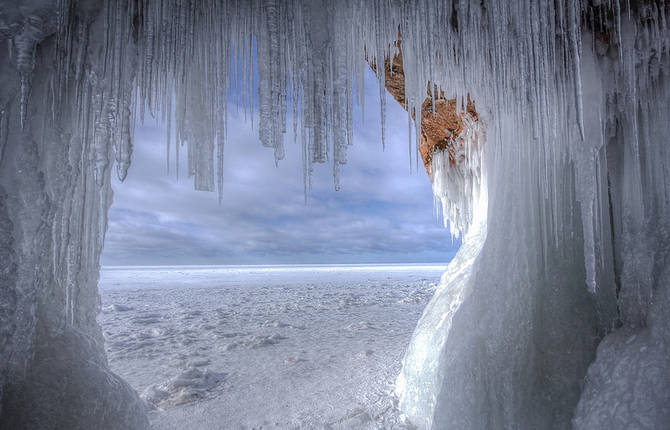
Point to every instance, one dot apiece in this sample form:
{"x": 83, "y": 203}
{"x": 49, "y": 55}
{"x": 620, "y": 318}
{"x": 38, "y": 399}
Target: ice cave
{"x": 542, "y": 125}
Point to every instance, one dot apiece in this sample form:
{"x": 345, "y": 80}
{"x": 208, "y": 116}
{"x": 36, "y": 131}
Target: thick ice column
{"x": 525, "y": 333}
{"x": 54, "y": 196}
{"x": 507, "y": 338}
{"x": 420, "y": 380}
{"x": 628, "y": 384}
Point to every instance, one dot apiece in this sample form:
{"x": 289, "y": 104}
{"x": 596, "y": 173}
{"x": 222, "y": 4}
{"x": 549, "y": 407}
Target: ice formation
{"x": 562, "y": 198}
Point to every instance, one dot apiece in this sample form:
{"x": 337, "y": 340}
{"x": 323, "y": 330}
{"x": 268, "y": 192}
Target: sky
{"x": 382, "y": 213}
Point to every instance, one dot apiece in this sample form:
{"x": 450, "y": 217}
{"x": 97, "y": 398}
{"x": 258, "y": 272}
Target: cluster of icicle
{"x": 575, "y": 127}
{"x": 187, "y": 62}
{"x": 457, "y": 177}
{"x": 183, "y": 60}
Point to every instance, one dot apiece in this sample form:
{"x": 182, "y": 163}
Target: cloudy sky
{"x": 382, "y": 214}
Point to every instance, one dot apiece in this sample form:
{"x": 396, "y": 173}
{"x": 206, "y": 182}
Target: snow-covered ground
{"x": 264, "y": 347}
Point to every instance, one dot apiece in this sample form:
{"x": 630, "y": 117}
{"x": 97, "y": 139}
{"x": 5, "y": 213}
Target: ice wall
{"x": 562, "y": 197}
{"x": 576, "y": 162}
{"x": 55, "y": 164}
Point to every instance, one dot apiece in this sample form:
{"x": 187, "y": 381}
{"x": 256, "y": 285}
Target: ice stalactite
{"x": 458, "y": 177}
{"x": 561, "y": 191}
{"x": 305, "y": 50}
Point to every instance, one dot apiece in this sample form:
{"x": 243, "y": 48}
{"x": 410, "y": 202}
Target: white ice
{"x": 274, "y": 346}
{"x": 564, "y": 306}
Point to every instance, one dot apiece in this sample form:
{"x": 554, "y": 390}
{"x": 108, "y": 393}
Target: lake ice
{"x": 264, "y": 347}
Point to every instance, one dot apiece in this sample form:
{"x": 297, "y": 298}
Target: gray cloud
{"x": 381, "y": 214}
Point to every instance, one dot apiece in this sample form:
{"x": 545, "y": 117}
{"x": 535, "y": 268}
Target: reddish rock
{"x": 440, "y": 126}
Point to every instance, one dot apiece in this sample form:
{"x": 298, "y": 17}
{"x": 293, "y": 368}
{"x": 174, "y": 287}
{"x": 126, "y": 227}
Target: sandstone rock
{"x": 441, "y": 126}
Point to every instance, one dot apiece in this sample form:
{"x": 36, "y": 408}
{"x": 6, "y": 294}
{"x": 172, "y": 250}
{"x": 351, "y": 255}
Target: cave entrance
{"x": 266, "y": 309}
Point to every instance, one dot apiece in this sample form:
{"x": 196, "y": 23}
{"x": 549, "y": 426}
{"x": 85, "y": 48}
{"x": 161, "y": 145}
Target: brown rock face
{"x": 441, "y": 125}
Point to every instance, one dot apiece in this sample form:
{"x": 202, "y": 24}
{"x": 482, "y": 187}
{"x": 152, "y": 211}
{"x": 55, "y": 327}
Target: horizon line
{"x": 278, "y": 265}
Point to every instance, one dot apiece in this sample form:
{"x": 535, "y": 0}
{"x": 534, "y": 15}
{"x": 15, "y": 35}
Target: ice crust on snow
{"x": 340, "y": 335}
{"x": 573, "y": 167}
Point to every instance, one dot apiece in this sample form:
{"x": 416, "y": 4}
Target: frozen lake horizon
{"x": 147, "y": 276}
{"x": 278, "y": 346}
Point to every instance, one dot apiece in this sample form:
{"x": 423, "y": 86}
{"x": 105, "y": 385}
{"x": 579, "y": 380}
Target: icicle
{"x": 409, "y": 139}
{"x": 576, "y": 53}
{"x": 169, "y": 132}
{"x": 125, "y": 146}
{"x": 24, "y": 53}
{"x": 125, "y": 120}
{"x": 382, "y": 106}
{"x": 4, "y": 130}
{"x": 101, "y": 137}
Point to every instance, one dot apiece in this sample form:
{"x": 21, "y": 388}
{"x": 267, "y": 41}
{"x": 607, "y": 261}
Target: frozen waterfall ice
{"x": 555, "y": 308}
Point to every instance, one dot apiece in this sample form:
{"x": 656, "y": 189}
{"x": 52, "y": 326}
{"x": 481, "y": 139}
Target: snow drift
{"x": 555, "y": 312}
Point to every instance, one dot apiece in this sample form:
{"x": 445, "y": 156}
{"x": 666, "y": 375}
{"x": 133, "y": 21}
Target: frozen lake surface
{"x": 221, "y": 347}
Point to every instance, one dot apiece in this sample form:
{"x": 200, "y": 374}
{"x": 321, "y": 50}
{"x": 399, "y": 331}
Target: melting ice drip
{"x": 577, "y": 173}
